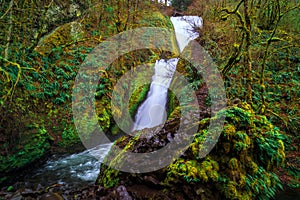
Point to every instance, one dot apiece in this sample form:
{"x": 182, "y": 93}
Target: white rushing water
{"x": 82, "y": 168}
{"x": 72, "y": 170}
{"x": 152, "y": 112}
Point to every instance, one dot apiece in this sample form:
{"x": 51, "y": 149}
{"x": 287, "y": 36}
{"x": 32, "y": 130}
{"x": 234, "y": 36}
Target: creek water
{"x": 74, "y": 171}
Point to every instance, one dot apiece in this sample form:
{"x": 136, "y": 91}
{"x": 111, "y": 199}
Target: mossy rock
{"x": 61, "y": 36}
{"x": 242, "y": 164}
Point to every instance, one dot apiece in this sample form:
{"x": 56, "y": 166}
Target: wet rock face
{"x": 170, "y": 11}
{"x": 63, "y": 11}
{"x": 122, "y": 194}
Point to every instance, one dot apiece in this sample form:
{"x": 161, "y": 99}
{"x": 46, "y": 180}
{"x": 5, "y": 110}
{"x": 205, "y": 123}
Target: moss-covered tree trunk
{"x": 9, "y": 29}
{"x": 248, "y": 56}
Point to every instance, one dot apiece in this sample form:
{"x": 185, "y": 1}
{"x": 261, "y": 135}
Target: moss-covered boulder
{"x": 242, "y": 164}
{"x": 64, "y": 35}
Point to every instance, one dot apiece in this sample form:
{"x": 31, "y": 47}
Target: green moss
{"x": 32, "y": 148}
{"x": 69, "y": 136}
{"x": 138, "y": 96}
{"x": 233, "y": 164}
{"x": 238, "y": 163}
{"x": 61, "y": 36}
{"x": 115, "y": 130}
{"x": 193, "y": 171}
{"x": 229, "y": 130}
{"x": 155, "y": 19}
{"x": 104, "y": 118}
{"x": 109, "y": 178}
{"x": 172, "y": 103}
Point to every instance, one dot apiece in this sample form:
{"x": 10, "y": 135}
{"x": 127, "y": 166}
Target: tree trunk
{"x": 248, "y": 56}
{"x": 9, "y": 30}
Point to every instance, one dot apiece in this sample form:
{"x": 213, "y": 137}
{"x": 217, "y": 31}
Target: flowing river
{"x": 74, "y": 171}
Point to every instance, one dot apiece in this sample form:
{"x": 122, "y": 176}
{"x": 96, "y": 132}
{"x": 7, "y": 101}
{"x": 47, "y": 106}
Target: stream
{"x": 73, "y": 171}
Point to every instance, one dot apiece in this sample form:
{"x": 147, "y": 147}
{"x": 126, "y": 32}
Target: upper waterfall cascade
{"x": 152, "y": 111}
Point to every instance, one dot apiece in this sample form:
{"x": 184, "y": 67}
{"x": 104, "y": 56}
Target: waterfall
{"x": 81, "y": 169}
{"x": 152, "y": 112}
